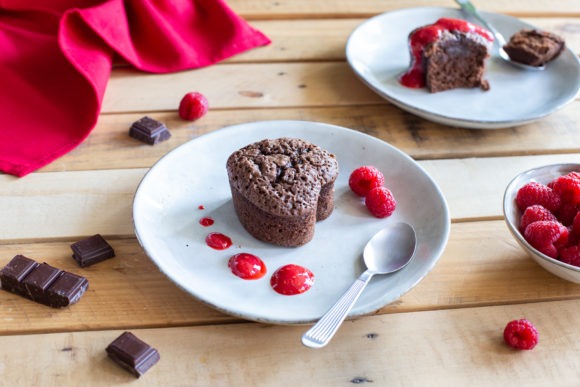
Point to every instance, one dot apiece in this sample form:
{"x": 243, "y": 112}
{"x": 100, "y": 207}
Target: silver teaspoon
{"x": 389, "y": 250}
{"x": 468, "y": 7}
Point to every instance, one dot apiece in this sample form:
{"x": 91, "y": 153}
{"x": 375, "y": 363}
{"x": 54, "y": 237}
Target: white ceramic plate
{"x": 377, "y": 51}
{"x": 166, "y": 216}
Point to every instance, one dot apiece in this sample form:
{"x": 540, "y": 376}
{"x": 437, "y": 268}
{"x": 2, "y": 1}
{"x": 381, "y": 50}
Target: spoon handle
{"x": 468, "y": 7}
{"x": 321, "y": 333}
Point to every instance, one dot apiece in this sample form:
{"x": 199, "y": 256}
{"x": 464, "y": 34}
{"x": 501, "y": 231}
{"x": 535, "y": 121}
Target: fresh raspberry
{"x": 193, "y": 105}
{"x": 570, "y": 255}
{"x": 533, "y": 214}
{"x": 568, "y": 188}
{"x": 537, "y": 193}
{"x": 520, "y": 334}
{"x": 365, "y": 178}
{"x": 566, "y": 213}
{"x": 380, "y": 202}
{"x": 575, "y": 228}
{"x": 547, "y": 236}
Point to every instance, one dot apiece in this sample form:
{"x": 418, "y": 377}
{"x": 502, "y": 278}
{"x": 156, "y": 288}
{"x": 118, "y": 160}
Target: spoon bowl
{"x": 388, "y": 251}
{"x": 468, "y": 7}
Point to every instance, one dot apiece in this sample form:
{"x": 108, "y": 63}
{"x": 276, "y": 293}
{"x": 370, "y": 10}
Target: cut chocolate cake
{"x": 534, "y": 47}
{"x": 446, "y": 55}
{"x": 281, "y": 188}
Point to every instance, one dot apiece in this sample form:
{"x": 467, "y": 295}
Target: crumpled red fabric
{"x": 56, "y": 58}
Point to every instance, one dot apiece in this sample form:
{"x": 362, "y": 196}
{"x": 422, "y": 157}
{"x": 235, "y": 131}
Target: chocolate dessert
{"x": 534, "y": 47}
{"x": 281, "y": 188}
{"x": 446, "y": 55}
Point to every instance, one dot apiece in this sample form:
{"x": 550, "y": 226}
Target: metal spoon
{"x": 470, "y": 9}
{"x": 389, "y": 250}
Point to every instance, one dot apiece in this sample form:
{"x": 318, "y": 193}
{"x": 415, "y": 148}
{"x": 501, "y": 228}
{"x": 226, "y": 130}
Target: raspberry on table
{"x": 521, "y": 334}
{"x": 365, "y": 178}
{"x": 547, "y": 236}
{"x": 193, "y": 105}
{"x": 535, "y": 213}
{"x": 537, "y": 193}
{"x": 380, "y": 202}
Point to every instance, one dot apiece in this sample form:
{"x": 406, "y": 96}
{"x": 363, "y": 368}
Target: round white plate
{"x": 378, "y": 53}
{"x": 166, "y": 219}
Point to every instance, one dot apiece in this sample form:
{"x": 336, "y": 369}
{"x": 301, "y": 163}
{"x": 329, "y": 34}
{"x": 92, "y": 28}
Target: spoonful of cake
{"x": 468, "y": 7}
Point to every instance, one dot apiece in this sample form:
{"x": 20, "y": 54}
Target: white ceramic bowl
{"x": 512, "y": 215}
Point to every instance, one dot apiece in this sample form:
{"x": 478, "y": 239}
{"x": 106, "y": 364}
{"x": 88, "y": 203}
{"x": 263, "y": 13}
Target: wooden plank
{"x": 69, "y": 204}
{"x": 482, "y": 265}
{"x": 450, "y": 347}
{"x": 284, "y": 9}
{"x": 243, "y": 86}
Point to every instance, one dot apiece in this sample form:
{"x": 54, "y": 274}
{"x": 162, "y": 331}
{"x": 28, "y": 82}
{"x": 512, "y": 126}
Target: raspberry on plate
{"x": 547, "y": 236}
{"x": 380, "y": 202}
{"x": 365, "y": 178}
{"x": 537, "y": 193}
{"x": 535, "y": 213}
{"x": 520, "y": 334}
{"x": 193, "y": 105}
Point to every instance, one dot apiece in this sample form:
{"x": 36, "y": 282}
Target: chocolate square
{"x": 39, "y": 280}
{"x": 66, "y": 290}
{"x": 14, "y": 272}
{"x": 91, "y": 250}
{"x": 132, "y": 354}
{"x": 149, "y": 131}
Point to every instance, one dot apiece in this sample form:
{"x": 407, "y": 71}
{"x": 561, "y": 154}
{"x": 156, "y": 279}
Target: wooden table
{"x": 446, "y": 331}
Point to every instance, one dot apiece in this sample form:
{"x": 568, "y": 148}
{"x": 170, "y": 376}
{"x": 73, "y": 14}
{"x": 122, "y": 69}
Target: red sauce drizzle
{"x": 247, "y": 266}
{"x": 422, "y": 36}
{"x": 201, "y": 207}
{"x": 218, "y": 241}
{"x": 292, "y": 279}
{"x": 206, "y": 222}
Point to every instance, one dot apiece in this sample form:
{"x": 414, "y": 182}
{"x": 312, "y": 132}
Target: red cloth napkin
{"x": 56, "y": 58}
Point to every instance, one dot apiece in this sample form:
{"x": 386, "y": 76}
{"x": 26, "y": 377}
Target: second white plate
{"x": 378, "y": 53}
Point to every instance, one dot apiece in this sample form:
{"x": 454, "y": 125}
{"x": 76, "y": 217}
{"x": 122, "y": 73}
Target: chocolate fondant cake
{"x": 446, "y": 55}
{"x": 534, "y": 47}
{"x": 281, "y": 188}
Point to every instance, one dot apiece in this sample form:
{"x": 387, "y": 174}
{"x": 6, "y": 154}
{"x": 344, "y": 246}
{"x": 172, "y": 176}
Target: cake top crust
{"x": 282, "y": 176}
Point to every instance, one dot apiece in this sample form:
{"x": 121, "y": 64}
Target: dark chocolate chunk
{"x": 149, "y": 131}
{"x": 66, "y": 290}
{"x": 42, "y": 283}
{"x": 38, "y": 281}
{"x": 132, "y": 354}
{"x": 13, "y": 273}
{"x": 91, "y": 250}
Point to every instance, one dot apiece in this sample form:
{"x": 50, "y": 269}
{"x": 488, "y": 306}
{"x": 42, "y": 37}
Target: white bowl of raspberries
{"x": 542, "y": 210}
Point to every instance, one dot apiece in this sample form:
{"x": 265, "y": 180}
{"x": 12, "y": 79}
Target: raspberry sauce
{"x": 247, "y": 266}
{"x": 422, "y": 36}
{"x": 218, "y": 241}
{"x": 206, "y": 222}
{"x": 292, "y": 279}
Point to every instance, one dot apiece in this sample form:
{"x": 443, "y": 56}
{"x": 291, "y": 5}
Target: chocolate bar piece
{"x": 91, "y": 250}
{"x": 149, "y": 131}
{"x": 42, "y": 283}
{"x": 66, "y": 290}
{"x": 132, "y": 354}
{"x": 14, "y": 272}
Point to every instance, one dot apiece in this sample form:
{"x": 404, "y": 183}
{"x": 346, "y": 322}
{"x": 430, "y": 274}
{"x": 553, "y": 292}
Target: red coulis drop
{"x": 414, "y": 77}
{"x": 247, "y": 266}
{"x": 206, "y": 222}
{"x": 292, "y": 279}
{"x": 218, "y": 241}
{"x": 201, "y": 207}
